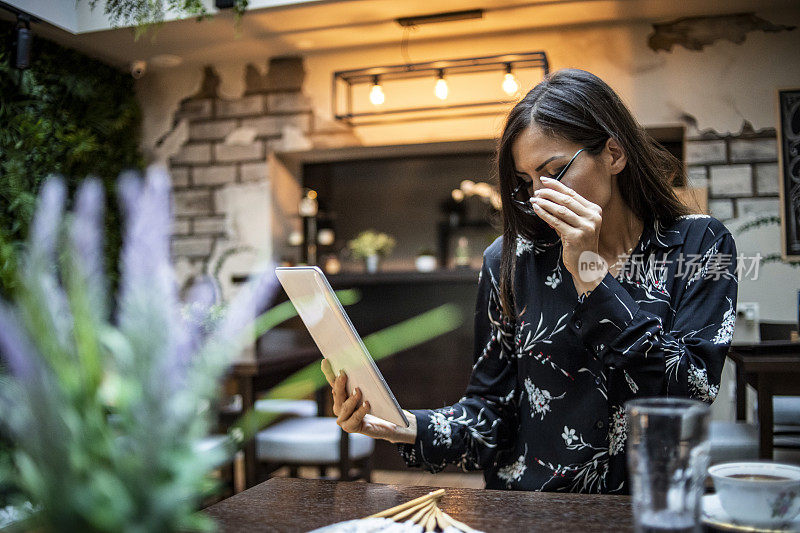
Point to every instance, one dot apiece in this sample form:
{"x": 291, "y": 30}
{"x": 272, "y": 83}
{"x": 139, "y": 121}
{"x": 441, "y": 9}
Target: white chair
{"x": 314, "y": 441}
{"x": 301, "y": 408}
{"x": 732, "y": 441}
{"x": 786, "y": 417}
{"x": 786, "y": 414}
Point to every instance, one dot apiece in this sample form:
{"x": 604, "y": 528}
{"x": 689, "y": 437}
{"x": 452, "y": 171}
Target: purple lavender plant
{"x": 108, "y": 412}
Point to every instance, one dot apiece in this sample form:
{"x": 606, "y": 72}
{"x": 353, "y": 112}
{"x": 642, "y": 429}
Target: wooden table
{"x": 268, "y": 370}
{"x": 287, "y": 504}
{"x": 772, "y": 368}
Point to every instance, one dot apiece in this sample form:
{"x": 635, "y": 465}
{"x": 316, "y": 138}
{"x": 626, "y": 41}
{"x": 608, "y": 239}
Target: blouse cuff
{"x": 412, "y": 453}
{"x": 602, "y": 315}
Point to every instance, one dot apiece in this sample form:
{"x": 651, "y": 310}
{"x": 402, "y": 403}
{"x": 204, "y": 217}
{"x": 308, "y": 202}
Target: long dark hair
{"x": 578, "y": 106}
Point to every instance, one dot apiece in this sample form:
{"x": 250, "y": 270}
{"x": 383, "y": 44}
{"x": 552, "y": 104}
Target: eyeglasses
{"x": 525, "y": 205}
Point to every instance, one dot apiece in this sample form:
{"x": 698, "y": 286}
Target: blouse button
{"x": 599, "y": 424}
{"x": 578, "y": 324}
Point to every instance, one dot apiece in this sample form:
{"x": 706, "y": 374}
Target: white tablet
{"x": 337, "y": 339}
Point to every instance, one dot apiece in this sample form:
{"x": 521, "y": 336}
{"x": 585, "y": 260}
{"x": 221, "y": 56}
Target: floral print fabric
{"x": 544, "y": 406}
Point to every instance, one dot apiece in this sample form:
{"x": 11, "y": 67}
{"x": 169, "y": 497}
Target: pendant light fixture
{"x": 358, "y": 95}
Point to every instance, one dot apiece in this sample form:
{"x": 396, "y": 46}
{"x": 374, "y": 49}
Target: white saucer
{"x": 714, "y": 516}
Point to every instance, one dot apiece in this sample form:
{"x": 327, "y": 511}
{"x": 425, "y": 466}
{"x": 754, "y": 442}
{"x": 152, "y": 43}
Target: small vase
{"x": 371, "y": 262}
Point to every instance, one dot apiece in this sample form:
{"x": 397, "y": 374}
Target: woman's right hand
{"x": 353, "y": 416}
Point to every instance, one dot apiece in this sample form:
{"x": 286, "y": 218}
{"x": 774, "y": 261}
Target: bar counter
{"x": 465, "y": 275}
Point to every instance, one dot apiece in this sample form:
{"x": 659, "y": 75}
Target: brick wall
{"x": 740, "y": 171}
{"x": 229, "y": 143}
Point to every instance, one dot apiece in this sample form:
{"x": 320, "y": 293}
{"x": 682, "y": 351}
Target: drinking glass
{"x": 667, "y": 462}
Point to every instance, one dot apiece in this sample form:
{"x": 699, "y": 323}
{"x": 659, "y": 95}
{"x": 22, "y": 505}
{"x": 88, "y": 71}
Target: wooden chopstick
{"x": 408, "y": 512}
{"x": 421, "y": 515}
{"x": 413, "y": 503}
{"x": 442, "y": 519}
{"x": 430, "y": 523}
{"x": 460, "y": 525}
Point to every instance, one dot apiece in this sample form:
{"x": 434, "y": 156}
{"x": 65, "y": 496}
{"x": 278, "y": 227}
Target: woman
{"x": 602, "y": 289}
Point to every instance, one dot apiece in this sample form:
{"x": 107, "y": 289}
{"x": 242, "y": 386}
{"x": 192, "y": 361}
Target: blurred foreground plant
{"x": 106, "y": 413}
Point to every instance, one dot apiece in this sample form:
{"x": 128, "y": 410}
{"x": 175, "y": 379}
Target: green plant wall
{"x": 69, "y": 115}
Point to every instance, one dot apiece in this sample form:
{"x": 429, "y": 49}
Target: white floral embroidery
{"x": 502, "y": 328}
{"x": 695, "y": 215}
{"x": 539, "y": 399}
{"x": 661, "y": 235}
{"x": 725, "y": 333}
{"x": 589, "y": 476}
{"x": 540, "y": 335}
{"x": 536, "y": 247}
{"x": 568, "y": 435}
{"x": 705, "y": 261}
{"x": 514, "y": 471}
{"x": 579, "y": 443}
{"x": 523, "y": 246}
{"x": 699, "y": 385}
{"x": 442, "y": 431}
{"x": 649, "y": 273}
{"x": 553, "y": 280}
{"x": 673, "y": 353}
{"x": 617, "y": 432}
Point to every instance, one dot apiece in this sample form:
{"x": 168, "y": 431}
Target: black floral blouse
{"x": 544, "y": 406}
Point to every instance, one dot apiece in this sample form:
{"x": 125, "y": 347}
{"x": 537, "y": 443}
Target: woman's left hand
{"x": 577, "y": 221}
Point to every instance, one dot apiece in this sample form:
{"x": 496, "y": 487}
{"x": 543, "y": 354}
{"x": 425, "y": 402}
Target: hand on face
{"x": 576, "y": 220}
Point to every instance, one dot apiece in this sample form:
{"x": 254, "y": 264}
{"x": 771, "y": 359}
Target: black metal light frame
{"x": 347, "y": 79}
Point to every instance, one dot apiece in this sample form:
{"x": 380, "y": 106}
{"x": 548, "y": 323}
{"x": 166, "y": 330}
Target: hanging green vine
{"x": 145, "y": 14}
{"x": 68, "y": 115}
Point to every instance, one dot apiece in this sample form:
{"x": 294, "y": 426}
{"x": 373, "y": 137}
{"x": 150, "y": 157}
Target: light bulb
{"x": 295, "y": 238}
{"x": 510, "y": 84}
{"x": 326, "y": 237}
{"x": 376, "y": 95}
{"x": 440, "y": 90}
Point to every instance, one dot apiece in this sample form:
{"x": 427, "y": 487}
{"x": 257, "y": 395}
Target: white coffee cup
{"x": 758, "y": 493}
